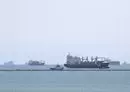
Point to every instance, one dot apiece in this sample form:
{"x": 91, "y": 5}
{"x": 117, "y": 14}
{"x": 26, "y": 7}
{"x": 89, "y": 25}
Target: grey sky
{"x": 49, "y": 29}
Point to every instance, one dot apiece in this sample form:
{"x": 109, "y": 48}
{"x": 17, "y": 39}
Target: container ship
{"x": 77, "y": 62}
{"x": 32, "y": 62}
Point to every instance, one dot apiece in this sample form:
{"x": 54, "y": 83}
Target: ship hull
{"x": 36, "y": 64}
{"x": 59, "y": 69}
{"x": 103, "y": 65}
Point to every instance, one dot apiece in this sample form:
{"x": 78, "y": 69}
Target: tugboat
{"x": 77, "y": 62}
{"x": 57, "y": 67}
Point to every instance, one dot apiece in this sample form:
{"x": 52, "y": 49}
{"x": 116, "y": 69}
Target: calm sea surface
{"x": 65, "y": 81}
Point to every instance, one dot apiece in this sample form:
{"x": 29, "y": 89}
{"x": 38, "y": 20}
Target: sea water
{"x": 64, "y": 81}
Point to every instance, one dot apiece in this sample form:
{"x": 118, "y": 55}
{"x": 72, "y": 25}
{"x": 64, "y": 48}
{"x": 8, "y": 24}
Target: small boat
{"x": 57, "y": 67}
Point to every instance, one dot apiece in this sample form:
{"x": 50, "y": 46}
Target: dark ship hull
{"x": 37, "y": 64}
{"x": 89, "y": 65}
{"x": 56, "y": 69}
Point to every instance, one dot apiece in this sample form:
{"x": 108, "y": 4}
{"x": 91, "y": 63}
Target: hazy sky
{"x": 49, "y": 29}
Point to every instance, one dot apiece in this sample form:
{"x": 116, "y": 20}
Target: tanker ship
{"x": 77, "y": 62}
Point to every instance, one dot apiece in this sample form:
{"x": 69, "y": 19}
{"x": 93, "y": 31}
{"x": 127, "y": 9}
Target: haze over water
{"x": 49, "y": 29}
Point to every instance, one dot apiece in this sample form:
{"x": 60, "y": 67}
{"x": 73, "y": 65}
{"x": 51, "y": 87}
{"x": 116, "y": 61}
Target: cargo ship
{"x": 77, "y": 62}
{"x": 35, "y": 62}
